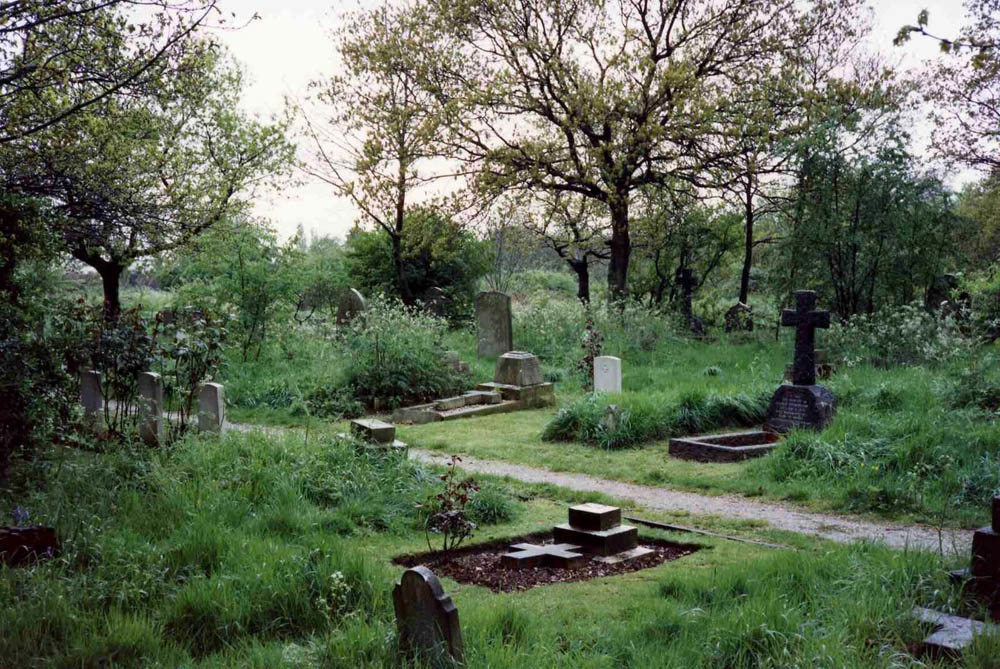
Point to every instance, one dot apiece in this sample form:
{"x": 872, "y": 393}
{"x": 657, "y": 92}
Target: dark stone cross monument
{"x": 802, "y": 404}
{"x": 688, "y": 282}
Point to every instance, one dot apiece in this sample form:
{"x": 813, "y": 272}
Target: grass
{"x": 254, "y": 550}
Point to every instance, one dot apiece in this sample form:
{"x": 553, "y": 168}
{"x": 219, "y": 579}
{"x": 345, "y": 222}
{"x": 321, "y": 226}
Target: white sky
{"x": 290, "y": 45}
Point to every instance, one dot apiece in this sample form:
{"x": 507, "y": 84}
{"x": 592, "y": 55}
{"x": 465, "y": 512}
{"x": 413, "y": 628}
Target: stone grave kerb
{"x": 805, "y": 319}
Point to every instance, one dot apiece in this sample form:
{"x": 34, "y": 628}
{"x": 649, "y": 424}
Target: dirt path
{"x": 843, "y": 529}
{"x": 837, "y": 528}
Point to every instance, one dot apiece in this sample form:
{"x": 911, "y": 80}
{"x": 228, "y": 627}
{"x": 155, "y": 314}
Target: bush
{"x": 492, "y": 505}
{"x": 394, "y": 356}
{"x": 630, "y": 419}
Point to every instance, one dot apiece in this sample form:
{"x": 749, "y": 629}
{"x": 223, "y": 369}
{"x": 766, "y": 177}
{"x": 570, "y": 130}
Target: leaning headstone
{"x": 494, "y": 325}
{"x": 426, "y": 617}
{"x": 607, "y": 374}
{"x": 92, "y": 399}
{"x": 802, "y": 404}
{"x": 211, "y": 407}
{"x": 151, "y": 426}
{"x": 350, "y": 305}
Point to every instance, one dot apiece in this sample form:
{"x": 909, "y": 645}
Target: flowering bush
{"x": 906, "y": 335}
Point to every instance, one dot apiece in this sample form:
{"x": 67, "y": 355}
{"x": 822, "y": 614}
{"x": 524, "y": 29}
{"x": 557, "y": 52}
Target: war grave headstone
{"x": 351, "y": 304}
{"x": 151, "y": 425}
{"x": 211, "y": 407}
{"x": 607, "y": 374}
{"x": 517, "y": 384}
{"x": 92, "y": 399}
{"x": 426, "y": 617}
{"x": 688, "y": 282}
{"x": 804, "y": 404}
{"x": 494, "y": 325}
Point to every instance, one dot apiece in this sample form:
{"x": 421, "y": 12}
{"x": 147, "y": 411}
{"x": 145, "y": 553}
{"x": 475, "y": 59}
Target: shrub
{"x": 394, "y": 356}
{"x": 492, "y": 505}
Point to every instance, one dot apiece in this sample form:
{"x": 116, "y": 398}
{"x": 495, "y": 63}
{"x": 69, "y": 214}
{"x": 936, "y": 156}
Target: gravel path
{"x": 843, "y": 529}
{"x": 837, "y": 528}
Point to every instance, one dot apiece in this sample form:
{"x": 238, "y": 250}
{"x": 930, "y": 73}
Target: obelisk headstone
{"x": 426, "y": 617}
{"x": 802, "y": 404}
{"x": 607, "y": 374}
{"x": 151, "y": 425}
{"x": 494, "y": 325}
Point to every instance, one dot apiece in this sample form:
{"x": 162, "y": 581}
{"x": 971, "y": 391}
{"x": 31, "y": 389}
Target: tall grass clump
{"x": 633, "y": 419}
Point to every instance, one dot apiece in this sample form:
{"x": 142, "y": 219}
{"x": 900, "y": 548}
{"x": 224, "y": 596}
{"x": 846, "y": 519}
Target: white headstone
{"x": 211, "y": 407}
{"x": 151, "y": 426}
{"x": 92, "y": 399}
{"x": 608, "y": 374}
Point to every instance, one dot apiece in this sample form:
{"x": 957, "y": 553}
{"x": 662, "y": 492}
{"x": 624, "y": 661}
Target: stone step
{"x": 603, "y": 542}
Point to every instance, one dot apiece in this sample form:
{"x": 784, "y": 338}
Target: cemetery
{"x": 617, "y": 335}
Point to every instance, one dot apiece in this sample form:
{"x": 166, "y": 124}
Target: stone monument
{"x": 376, "y": 434}
{"x": 494, "y": 325}
{"x": 804, "y": 403}
{"x": 211, "y": 407}
{"x": 426, "y": 617}
{"x": 151, "y": 425}
{"x": 598, "y": 529}
{"x": 350, "y": 305}
{"x": 607, "y": 374}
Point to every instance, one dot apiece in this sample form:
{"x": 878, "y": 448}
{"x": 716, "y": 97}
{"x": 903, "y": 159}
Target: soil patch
{"x": 480, "y": 564}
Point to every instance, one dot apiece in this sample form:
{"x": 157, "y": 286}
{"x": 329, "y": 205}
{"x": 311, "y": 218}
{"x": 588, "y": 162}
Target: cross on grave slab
{"x": 688, "y": 282}
{"x": 527, "y": 556}
{"x": 805, "y": 320}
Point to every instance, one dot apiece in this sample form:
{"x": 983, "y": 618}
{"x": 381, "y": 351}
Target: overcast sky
{"x": 290, "y": 45}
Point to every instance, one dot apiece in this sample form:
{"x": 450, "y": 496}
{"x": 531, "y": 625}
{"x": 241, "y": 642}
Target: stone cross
{"x": 805, "y": 320}
{"x": 688, "y": 281}
{"x": 425, "y": 616}
{"x": 211, "y": 407}
{"x": 151, "y": 426}
{"x": 527, "y": 556}
{"x": 607, "y": 374}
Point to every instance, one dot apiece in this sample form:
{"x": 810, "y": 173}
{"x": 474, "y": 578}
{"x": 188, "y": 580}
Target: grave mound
{"x": 482, "y": 564}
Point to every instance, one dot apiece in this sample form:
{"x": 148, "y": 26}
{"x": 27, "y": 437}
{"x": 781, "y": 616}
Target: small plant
{"x": 593, "y": 339}
{"x": 448, "y": 514}
{"x": 711, "y": 371}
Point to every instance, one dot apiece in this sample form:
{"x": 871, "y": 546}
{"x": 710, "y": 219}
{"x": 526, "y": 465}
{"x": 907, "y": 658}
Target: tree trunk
{"x": 621, "y": 249}
{"x": 397, "y": 263}
{"x": 582, "y": 269}
{"x": 748, "y": 245}
{"x": 111, "y": 273}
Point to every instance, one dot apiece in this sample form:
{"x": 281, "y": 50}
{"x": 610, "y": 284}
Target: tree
{"x": 602, "y": 98}
{"x": 133, "y": 176}
{"x": 963, "y": 87}
{"x": 383, "y": 128}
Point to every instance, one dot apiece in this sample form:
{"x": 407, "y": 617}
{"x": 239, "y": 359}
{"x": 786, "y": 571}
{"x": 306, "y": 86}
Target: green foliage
{"x": 394, "y": 356}
{"x": 492, "y": 505}
{"x": 633, "y": 419}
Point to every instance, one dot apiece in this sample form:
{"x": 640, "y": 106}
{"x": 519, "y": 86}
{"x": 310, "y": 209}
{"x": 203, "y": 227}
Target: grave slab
{"x": 426, "y": 617}
{"x": 731, "y": 447}
{"x": 529, "y": 556}
{"x": 952, "y": 634}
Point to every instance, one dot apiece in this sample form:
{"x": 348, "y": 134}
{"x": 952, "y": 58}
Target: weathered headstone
{"x": 802, "y": 404}
{"x": 739, "y": 317}
{"x": 211, "y": 407}
{"x": 351, "y": 304}
{"x": 151, "y": 425}
{"x": 92, "y": 399}
{"x": 494, "y": 324}
{"x": 426, "y": 617}
{"x": 518, "y": 368}
{"x": 607, "y": 374}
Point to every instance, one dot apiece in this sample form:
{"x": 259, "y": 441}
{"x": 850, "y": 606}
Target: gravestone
{"x": 555, "y": 556}
{"x": 739, "y": 317}
{"x": 92, "y": 399}
{"x": 351, "y": 304}
{"x": 597, "y": 529}
{"x": 436, "y": 301}
{"x": 518, "y": 368}
{"x": 374, "y": 430}
{"x": 494, "y": 325}
{"x": 426, "y": 618}
{"x": 151, "y": 425}
{"x": 211, "y": 407}
{"x": 607, "y": 374}
{"x": 802, "y": 404}
{"x": 688, "y": 282}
